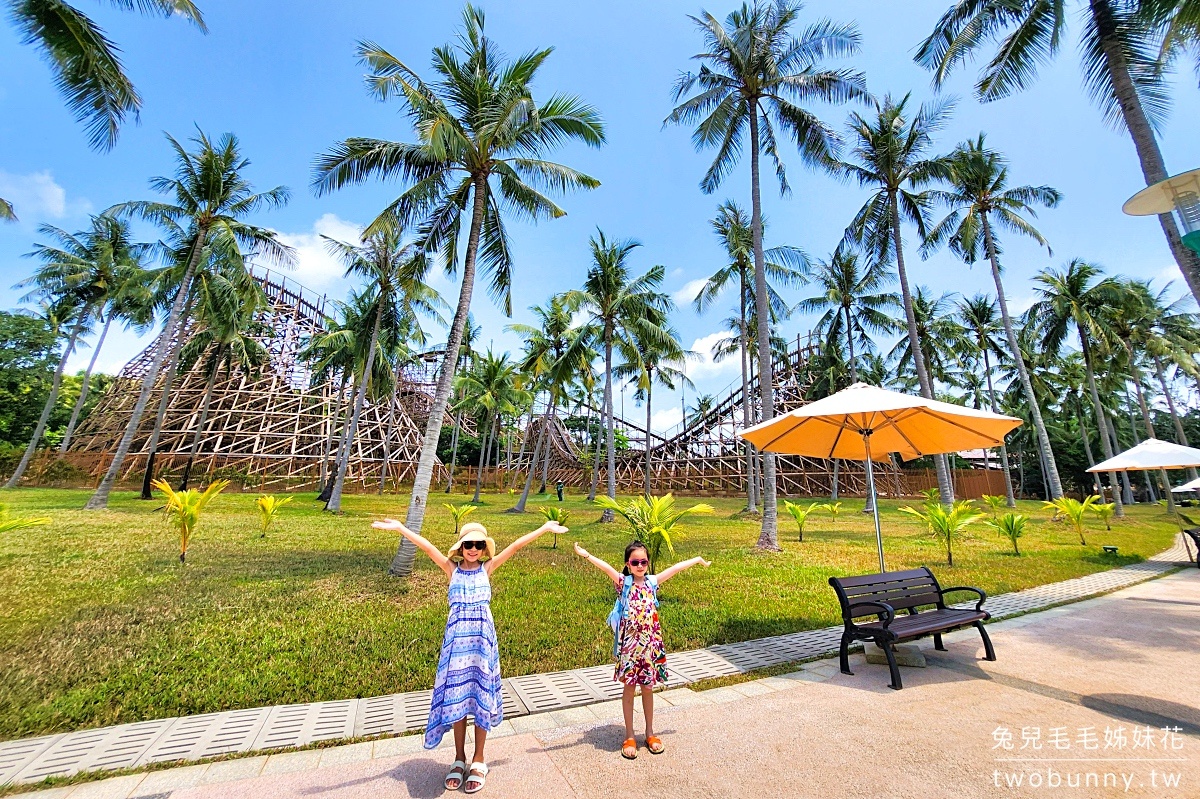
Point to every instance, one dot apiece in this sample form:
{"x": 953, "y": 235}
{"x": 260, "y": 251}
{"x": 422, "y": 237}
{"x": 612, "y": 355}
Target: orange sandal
{"x": 629, "y": 749}
{"x": 655, "y": 745}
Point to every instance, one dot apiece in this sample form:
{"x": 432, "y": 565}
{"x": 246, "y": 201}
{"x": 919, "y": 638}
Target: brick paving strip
{"x": 531, "y": 702}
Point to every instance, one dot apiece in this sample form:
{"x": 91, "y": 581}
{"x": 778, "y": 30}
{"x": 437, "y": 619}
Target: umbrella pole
{"x": 871, "y": 495}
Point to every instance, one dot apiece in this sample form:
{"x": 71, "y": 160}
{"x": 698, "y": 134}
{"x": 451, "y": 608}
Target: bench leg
{"x": 844, "y": 654}
{"x": 886, "y": 646}
{"x": 937, "y": 642}
{"x": 989, "y": 652}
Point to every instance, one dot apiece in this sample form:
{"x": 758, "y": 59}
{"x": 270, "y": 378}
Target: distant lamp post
{"x": 1180, "y": 194}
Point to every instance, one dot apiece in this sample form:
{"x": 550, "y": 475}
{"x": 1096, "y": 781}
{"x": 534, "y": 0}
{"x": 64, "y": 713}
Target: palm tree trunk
{"x": 51, "y": 401}
{"x": 453, "y": 451}
{"x": 1116, "y": 445}
{"x": 610, "y": 433}
{"x": 945, "y": 490}
{"x": 164, "y": 400}
{"x": 1010, "y": 333}
{"x": 1091, "y": 461}
{"x": 1154, "y": 169}
{"x": 747, "y": 421}
{"x": 1008, "y": 489}
{"x": 596, "y": 462}
{"x": 333, "y": 426}
{"x": 402, "y": 563}
{"x": 483, "y": 452}
{"x": 391, "y": 428}
{"x": 547, "y": 453}
{"x": 83, "y": 390}
{"x": 1180, "y": 436}
{"x": 649, "y": 387}
{"x": 204, "y": 405}
{"x": 99, "y": 499}
{"x": 1102, "y": 423}
{"x": 768, "y": 539}
{"x": 342, "y": 439}
{"x": 334, "y": 505}
{"x": 1136, "y": 374}
{"x": 537, "y": 451}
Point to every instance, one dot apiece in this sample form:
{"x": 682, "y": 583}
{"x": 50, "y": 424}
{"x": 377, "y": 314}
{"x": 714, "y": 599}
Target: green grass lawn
{"x": 99, "y": 624}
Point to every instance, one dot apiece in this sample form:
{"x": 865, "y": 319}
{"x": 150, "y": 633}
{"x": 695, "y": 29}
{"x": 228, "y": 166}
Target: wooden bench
{"x": 884, "y": 596}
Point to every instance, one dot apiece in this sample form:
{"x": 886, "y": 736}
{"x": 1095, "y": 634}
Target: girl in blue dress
{"x": 468, "y": 672}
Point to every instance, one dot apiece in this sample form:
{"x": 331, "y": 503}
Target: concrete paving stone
{"x": 396, "y": 747}
{"x": 292, "y": 761}
{"x": 684, "y": 697}
{"x": 723, "y": 694}
{"x": 777, "y": 683}
{"x": 501, "y": 730}
{"x": 572, "y": 716}
{"x": 114, "y": 788}
{"x": 50, "y": 793}
{"x": 608, "y": 710}
{"x": 752, "y": 688}
{"x": 241, "y": 768}
{"x": 533, "y": 723}
{"x": 158, "y": 782}
{"x": 337, "y": 755}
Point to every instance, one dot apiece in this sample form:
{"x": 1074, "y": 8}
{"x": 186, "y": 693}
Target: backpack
{"x": 618, "y": 610}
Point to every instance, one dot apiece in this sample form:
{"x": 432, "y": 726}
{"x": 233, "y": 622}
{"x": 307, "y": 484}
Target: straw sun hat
{"x": 472, "y": 531}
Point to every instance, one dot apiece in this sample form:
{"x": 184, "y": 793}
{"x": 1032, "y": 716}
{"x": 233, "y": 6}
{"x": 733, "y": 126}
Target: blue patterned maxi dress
{"x": 468, "y": 672}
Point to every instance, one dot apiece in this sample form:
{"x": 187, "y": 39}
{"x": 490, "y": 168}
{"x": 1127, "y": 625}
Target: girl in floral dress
{"x": 638, "y": 642}
{"x": 468, "y": 672}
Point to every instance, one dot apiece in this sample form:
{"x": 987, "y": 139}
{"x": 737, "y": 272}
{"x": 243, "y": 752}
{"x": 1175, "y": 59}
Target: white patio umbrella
{"x": 1194, "y": 485}
{"x": 865, "y": 423}
{"x": 1151, "y": 454}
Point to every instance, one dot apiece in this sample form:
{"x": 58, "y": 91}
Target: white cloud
{"x": 315, "y": 267}
{"x": 705, "y": 366}
{"x": 663, "y": 420}
{"x": 689, "y": 291}
{"x": 1021, "y": 303}
{"x": 38, "y": 196}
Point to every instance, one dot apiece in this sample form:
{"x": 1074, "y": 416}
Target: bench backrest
{"x": 902, "y": 590}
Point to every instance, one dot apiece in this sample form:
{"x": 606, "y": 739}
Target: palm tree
{"x": 657, "y": 360}
{"x": 623, "y": 312}
{"x": 225, "y": 339}
{"x": 978, "y": 318}
{"x": 1120, "y": 51}
{"x": 938, "y": 333}
{"x": 852, "y": 303}
{"x": 1069, "y": 298}
{"x": 701, "y": 406}
{"x": 392, "y": 270}
{"x": 87, "y": 69}
{"x": 93, "y": 272}
{"x": 211, "y": 196}
{"x": 555, "y": 353}
{"x": 490, "y": 389}
{"x": 978, "y": 196}
{"x": 890, "y": 156}
{"x": 479, "y": 137}
{"x": 753, "y": 79}
{"x": 785, "y": 264}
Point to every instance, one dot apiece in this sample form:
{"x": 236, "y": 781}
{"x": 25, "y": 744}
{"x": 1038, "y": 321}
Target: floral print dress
{"x": 641, "y": 657}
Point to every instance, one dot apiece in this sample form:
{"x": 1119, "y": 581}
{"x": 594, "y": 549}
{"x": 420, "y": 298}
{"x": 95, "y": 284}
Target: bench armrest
{"x": 982, "y": 595}
{"x": 885, "y": 610}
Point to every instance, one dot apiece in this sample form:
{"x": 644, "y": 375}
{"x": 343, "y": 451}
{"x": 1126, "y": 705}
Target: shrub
{"x": 1105, "y": 511}
{"x": 833, "y": 508}
{"x": 8, "y": 524}
{"x": 184, "y": 509}
{"x": 555, "y": 514}
{"x": 947, "y": 524}
{"x": 1010, "y": 525}
{"x": 800, "y": 514}
{"x": 268, "y": 508}
{"x": 1073, "y": 510}
{"x": 459, "y": 512}
{"x": 653, "y": 521}
{"x": 994, "y": 503}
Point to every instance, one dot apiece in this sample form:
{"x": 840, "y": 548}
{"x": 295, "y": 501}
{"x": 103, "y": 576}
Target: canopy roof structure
{"x": 1149, "y": 455}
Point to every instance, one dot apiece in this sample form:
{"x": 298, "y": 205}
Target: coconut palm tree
{"x": 85, "y": 62}
{"x": 211, "y": 195}
{"x": 94, "y": 272}
{"x": 622, "y": 312}
{"x": 1120, "y": 51}
{"x": 392, "y": 270}
{"x": 939, "y": 335}
{"x": 852, "y": 303}
{"x": 480, "y": 136}
{"x": 981, "y": 325}
{"x": 979, "y": 198}
{"x": 755, "y": 78}
{"x": 785, "y": 264}
{"x": 490, "y": 389}
{"x": 467, "y": 355}
{"x": 1073, "y": 297}
{"x": 890, "y": 156}
{"x": 226, "y": 338}
{"x": 657, "y": 360}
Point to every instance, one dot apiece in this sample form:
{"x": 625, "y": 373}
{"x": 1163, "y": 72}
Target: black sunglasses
{"x": 480, "y": 545}
{"x": 639, "y": 562}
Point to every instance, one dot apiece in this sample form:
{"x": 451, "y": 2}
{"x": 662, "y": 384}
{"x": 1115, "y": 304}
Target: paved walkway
{"x": 535, "y": 702}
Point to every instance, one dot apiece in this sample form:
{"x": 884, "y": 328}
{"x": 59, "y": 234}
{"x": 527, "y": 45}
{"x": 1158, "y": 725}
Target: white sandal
{"x": 458, "y": 772}
{"x": 476, "y": 777}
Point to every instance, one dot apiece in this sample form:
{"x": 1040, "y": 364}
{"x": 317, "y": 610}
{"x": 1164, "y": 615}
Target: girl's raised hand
{"x": 553, "y": 527}
{"x": 705, "y": 563}
{"x": 388, "y": 524}
{"x": 581, "y": 552}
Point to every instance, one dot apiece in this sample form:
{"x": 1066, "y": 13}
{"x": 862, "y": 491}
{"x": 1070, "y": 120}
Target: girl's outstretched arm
{"x": 612, "y": 573}
{"x": 422, "y": 543}
{"x": 525, "y": 540}
{"x": 678, "y": 567}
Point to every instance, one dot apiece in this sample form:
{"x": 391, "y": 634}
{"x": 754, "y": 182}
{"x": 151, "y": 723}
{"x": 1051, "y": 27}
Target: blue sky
{"x": 287, "y": 83}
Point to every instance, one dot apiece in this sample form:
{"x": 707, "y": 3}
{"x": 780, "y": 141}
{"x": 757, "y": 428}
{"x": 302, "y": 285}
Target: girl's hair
{"x": 634, "y": 546}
